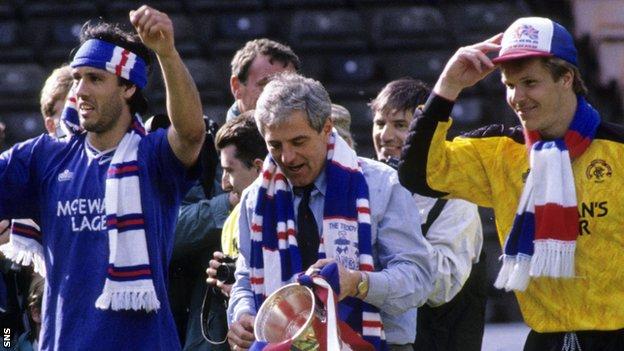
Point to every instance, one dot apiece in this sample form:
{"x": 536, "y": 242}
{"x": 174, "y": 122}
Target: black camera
{"x": 225, "y": 272}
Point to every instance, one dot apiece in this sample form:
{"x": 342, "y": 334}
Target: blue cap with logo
{"x": 536, "y": 37}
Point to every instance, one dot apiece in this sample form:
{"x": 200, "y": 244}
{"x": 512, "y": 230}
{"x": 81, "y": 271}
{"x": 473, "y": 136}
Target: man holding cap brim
{"x": 553, "y": 183}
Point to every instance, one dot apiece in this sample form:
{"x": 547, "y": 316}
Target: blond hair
{"x": 55, "y": 88}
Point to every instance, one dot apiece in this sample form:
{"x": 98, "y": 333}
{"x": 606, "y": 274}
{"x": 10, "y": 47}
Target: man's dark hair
{"x": 243, "y": 133}
{"x": 403, "y": 94}
{"x": 275, "y": 51}
{"x": 114, "y": 34}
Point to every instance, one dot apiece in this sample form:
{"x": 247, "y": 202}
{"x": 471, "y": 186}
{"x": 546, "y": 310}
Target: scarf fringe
{"x": 128, "y": 300}
{"x": 514, "y": 274}
{"x": 519, "y": 278}
{"x": 505, "y": 271}
{"x": 553, "y": 258}
{"x": 25, "y": 255}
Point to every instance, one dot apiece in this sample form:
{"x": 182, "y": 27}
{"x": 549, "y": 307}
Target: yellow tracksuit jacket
{"x": 489, "y": 166}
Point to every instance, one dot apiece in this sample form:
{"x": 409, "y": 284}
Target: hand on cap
{"x": 154, "y": 28}
{"x": 466, "y": 67}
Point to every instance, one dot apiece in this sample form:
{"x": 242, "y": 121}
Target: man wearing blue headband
{"x": 106, "y": 196}
{"x": 553, "y": 183}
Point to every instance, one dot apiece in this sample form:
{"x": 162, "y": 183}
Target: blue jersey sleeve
{"x": 18, "y": 186}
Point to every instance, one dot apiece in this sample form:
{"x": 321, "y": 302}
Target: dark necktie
{"x": 307, "y": 231}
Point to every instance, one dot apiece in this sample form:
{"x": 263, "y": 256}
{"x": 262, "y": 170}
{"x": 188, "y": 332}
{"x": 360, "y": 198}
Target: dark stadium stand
{"x": 413, "y": 27}
{"x": 328, "y": 30}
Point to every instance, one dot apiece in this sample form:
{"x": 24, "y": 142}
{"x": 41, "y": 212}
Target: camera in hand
{"x": 225, "y": 272}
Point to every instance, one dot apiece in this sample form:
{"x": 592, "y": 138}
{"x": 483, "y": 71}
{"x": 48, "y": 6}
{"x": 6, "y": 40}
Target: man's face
{"x": 56, "y": 116}
{"x": 534, "y": 96}
{"x": 236, "y": 175}
{"x": 299, "y": 150}
{"x": 389, "y": 133}
{"x": 57, "y": 109}
{"x": 100, "y": 99}
{"x": 247, "y": 93}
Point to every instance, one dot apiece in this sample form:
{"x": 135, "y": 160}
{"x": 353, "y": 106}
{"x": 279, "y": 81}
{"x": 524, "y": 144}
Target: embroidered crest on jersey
{"x": 598, "y": 171}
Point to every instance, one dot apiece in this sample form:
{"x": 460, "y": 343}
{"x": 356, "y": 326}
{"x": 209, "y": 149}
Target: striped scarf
{"x": 346, "y": 234}
{"x": 542, "y": 240}
{"x": 129, "y": 282}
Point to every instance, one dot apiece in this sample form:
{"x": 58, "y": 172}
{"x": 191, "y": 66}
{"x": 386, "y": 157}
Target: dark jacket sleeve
{"x": 413, "y": 164}
{"x": 199, "y": 224}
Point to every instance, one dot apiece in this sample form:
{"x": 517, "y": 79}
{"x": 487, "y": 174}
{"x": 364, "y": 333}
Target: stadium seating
{"x": 352, "y": 46}
{"x": 414, "y": 27}
{"x": 327, "y": 30}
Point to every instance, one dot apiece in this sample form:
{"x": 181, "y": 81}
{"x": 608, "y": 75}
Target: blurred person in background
{"x": 197, "y": 235}
{"x": 342, "y": 122}
{"x": 454, "y": 316}
{"x": 16, "y": 279}
{"x": 29, "y": 340}
{"x": 242, "y": 151}
{"x": 53, "y": 96}
{"x": 252, "y": 65}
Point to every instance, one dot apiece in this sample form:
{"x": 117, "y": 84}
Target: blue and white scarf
{"x": 542, "y": 240}
{"x": 346, "y": 234}
{"x": 129, "y": 283}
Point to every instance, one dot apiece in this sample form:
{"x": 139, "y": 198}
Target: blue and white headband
{"x": 109, "y": 57}
{"x": 114, "y": 59}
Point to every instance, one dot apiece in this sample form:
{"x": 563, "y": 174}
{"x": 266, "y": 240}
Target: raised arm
{"x": 187, "y": 130}
{"x": 466, "y": 67}
{"x": 431, "y": 166}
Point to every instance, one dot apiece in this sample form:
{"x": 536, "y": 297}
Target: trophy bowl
{"x": 290, "y": 313}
